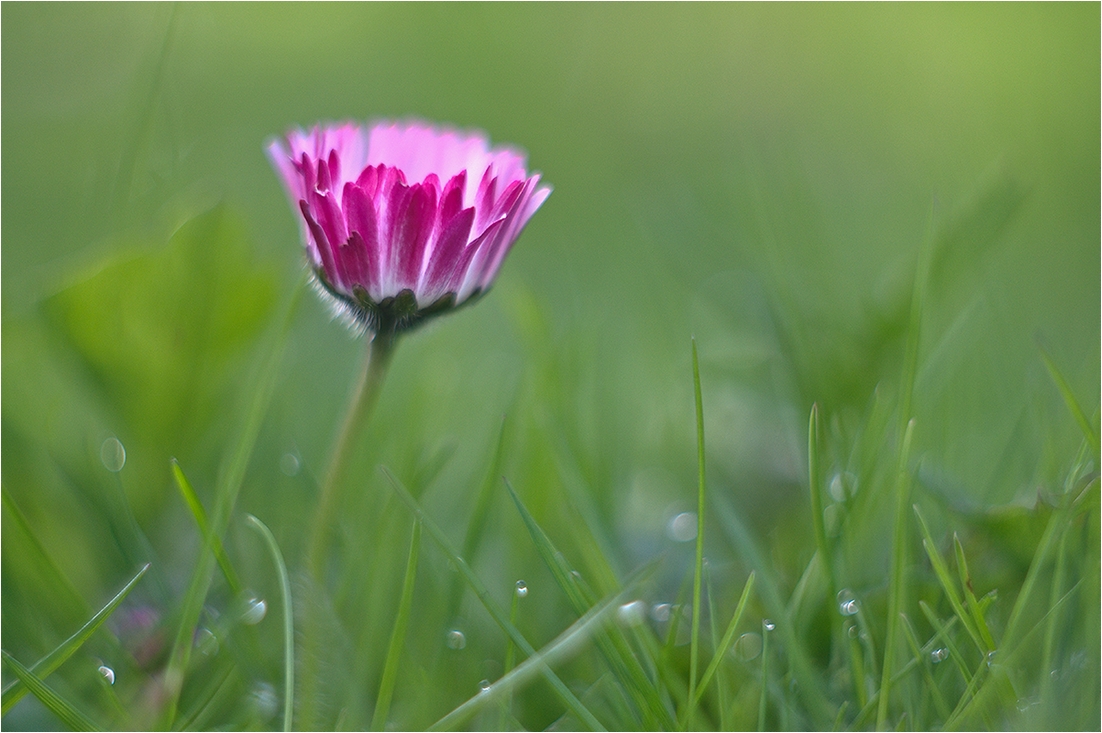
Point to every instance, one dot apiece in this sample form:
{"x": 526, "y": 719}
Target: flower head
{"x": 404, "y": 221}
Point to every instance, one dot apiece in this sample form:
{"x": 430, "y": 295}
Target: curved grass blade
{"x": 477, "y": 525}
{"x": 483, "y": 594}
{"x": 698, "y": 566}
{"x": 728, "y": 639}
{"x": 288, "y": 621}
{"x": 941, "y": 570}
{"x": 200, "y": 516}
{"x": 614, "y": 646}
{"x": 45, "y": 666}
{"x": 398, "y": 635}
{"x": 230, "y": 477}
{"x": 896, "y": 581}
{"x": 970, "y": 596}
{"x": 1073, "y": 404}
{"x": 56, "y": 704}
{"x": 816, "y": 486}
{"x": 563, "y": 647}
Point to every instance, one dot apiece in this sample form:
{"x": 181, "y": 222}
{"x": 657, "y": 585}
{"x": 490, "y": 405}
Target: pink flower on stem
{"x": 404, "y": 221}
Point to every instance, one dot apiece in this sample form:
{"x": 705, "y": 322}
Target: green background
{"x": 759, "y": 176}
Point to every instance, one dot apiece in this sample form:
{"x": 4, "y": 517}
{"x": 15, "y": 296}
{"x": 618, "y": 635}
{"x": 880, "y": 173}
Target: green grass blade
{"x": 763, "y": 700}
{"x": 288, "y": 620}
{"x": 1073, "y": 404}
{"x": 941, "y": 570}
{"x": 56, "y": 704}
{"x": 45, "y": 666}
{"x": 698, "y": 566}
{"x": 820, "y": 709}
{"x": 941, "y": 632}
{"x": 483, "y": 594}
{"x": 477, "y": 525}
{"x": 57, "y": 580}
{"x": 560, "y": 649}
{"x": 897, "y": 587}
{"x": 933, "y": 691}
{"x": 815, "y": 482}
{"x": 728, "y": 638}
{"x": 970, "y": 595}
{"x": 226, "y": 490}
{"x": 398, "y": 634}
{"x": 200, "y": 515}
{"x": 722, "y": 689}
{"x": 614, "y": 646}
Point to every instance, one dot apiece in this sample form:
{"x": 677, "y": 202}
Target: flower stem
{"x": 359, "y": 409}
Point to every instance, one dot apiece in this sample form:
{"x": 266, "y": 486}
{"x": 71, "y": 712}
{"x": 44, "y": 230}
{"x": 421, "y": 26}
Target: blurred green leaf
{"x": 157, "y": 327}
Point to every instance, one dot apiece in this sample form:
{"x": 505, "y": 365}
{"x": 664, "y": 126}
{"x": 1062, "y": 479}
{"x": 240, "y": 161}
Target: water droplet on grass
{"x": 289, "y": 464}
{"x": 939, "y": 655}
{"x": 108, "y": 673}
{"x": 632, "y": 614}
{"x": 522, "y": 589}
{"x": 661, "y": 612}
{"x": 206, "y": 642}
{"x": 484, "y": 686}
{"x": 852, "y": 631}
{"x": 991, "y": 657}
{"x": 849, "y": 608}
{"x": 255, "y": 611}
{"x": 768, "y": 625}
{"x": 112, "y": 454}
{"x": 748, "y": 646}
{"x": 682, "y": 528}
{"x": 455, "y": 639}
{"x": 265, "y": 699}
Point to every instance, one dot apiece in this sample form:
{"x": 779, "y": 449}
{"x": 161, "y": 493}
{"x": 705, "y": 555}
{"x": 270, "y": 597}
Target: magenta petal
{"x": 334, "y": 169}
{"x": 329, "y": 216}
{"x": 360, "y": 213}
{"x": 356, "y": 256}
{"x": 467, "y": 274}
{"x": 411, "y": 234}
{"x": 324, "y": 252}
{"x": 451, "y": 199}
{"x": 324, "y": 183}
{"x": 446, "y": 254}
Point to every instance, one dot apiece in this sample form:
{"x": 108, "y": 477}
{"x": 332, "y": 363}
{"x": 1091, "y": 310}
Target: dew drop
{"x": 852, "y": 631}
{"x": 264, "y": 697}
{"x": 484, "y": 686}
{"x": 632, "y": 614}
{"x": 991, "y": 657}
{"x": 108, "y": 673}
{"x": 255, "y": 611}
{"x": 837, "y": 490}
{"x": 682, "y": 528}
{"x": 849, "y": 608}
{"x": 455, "y": 639}
{"x": 767, "y": 624}
{"x": 660, "y": 612}
{"x": 112, "y": 454}
{"x": 289, "y": 464}
{"x": 748, "y": 646}
{"x": 206, "y": 642}
{"x": 939, "y": 655}
{"x": 522, "y": 589}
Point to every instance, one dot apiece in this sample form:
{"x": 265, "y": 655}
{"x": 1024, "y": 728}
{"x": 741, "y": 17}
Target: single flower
{"x": 404, "y": 221}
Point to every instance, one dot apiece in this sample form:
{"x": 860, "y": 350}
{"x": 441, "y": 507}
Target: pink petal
{"x": 446, "y": 255}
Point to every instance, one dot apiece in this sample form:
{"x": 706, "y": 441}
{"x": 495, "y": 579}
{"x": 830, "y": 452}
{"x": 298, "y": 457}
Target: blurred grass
{"x": 760, "y": 176}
